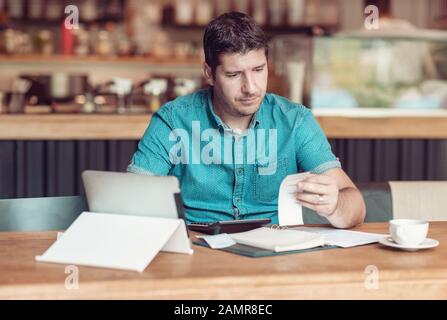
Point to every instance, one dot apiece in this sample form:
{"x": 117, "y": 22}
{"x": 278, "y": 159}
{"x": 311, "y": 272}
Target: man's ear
{"x": 208, "y": 74}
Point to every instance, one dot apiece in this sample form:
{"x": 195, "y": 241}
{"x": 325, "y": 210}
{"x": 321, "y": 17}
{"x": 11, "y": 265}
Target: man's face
{"x": 240, "y": 82}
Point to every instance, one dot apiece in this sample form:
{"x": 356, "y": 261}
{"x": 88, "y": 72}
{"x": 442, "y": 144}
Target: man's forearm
{"x": 350, "y": 210}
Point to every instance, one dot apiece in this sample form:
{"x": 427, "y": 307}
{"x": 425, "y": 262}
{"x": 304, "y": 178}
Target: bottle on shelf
{"x": 242, "y": 6}
{"x": 221, "y": 7}
{"x": 260, "y": 12}
{"x": 44, "y": 41}
{"x": 295, "y": 12}
{"x": 104, "y": 43}
{"x": 54, "y": 10}
{"x": 89, "y": 9}
{"x": 204, "y": 12}
{"x": 184, "y": 12}
{"x": 67, "y": 40}
{"x": 16, "y": 9}
{"x": 35, "y": 9}
{"x": 276, "y": 13}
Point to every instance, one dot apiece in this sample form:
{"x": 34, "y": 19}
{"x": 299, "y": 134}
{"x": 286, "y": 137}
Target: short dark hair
{"x": 232, "y": 32}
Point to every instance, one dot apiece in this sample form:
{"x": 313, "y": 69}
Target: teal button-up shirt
{"x": 228, "y": 175}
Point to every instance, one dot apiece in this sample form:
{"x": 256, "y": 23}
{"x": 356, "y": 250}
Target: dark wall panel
{"x": 8, "y": 169}
{"x": 370, "y": 160}
{"x": 386, "y": 160}
{"x": 53, "y": 168}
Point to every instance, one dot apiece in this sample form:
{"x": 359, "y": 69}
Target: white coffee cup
{"x": 408, "y": 231}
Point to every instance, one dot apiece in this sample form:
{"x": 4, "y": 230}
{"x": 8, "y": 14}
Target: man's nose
{"x": 248, "y": 87}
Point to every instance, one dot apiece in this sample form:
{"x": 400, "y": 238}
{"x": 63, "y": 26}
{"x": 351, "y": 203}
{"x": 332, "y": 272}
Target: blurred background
{"x": 77, "y": 91}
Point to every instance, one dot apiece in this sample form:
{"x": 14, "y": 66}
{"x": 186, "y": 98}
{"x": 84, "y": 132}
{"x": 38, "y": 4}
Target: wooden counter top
{"x": 73, "y": 127}
{"x": 367, "y": 123}
{"x": 132, "y": 127}
{"x": 213, "y": 274}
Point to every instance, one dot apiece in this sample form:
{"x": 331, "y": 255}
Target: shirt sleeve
{"x": 314, "y": 152}
{"x": 152, "y": 154}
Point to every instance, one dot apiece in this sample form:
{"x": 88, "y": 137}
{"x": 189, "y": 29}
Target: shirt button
{"x": 239, "y": 171}
{"x": 238, "y": 199}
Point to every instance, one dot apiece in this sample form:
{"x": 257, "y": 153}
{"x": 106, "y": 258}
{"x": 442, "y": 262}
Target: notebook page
{"x": 344, "y": 238}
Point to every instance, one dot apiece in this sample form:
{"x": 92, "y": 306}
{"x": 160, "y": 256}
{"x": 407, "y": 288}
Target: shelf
{"x": 303, "y": 28}
{"x": 132, "y": 127}
{"x": 98, "y": 59}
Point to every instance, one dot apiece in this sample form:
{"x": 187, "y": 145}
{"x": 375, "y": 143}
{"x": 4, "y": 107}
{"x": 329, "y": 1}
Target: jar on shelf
{"x": 35, "y": 9}
{"x": 276, "y": 12}
{"x": 295, "y": 10}
{"x": 16, "y": 9}
{"x": 44, "y": 42}
{"x": 81, "y": 42}
{"x": 54, "y": 9}
{"x": 184, "y": 12}
{"x": 204, "y": 12}
{"x": 104, "y": 43}
{"x": 243, "y": 6}
{"x": 312, "y": 11}
{"x": 221, "y": 6}
{"x": 89, "y": 10}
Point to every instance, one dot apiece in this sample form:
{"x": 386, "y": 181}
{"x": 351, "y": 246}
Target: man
{"x": 232, "y": 144}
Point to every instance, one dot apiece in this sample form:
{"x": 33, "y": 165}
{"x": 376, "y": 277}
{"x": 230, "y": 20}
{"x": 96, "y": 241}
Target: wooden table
{"x": 211, "y": 274}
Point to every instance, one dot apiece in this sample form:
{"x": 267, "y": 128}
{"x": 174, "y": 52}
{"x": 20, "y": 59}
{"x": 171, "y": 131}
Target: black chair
{"x": 40, "y": 214}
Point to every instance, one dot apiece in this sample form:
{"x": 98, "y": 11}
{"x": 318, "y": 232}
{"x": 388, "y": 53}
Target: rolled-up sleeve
{"x": 314, "y": 151}
{"x": 152, "y": 154}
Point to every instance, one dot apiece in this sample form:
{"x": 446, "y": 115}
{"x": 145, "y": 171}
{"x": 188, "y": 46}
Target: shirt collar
{"x": 254, "y": 123}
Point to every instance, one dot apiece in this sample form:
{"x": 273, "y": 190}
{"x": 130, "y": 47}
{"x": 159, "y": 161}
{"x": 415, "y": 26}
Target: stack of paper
{"x": 279, "y": 240}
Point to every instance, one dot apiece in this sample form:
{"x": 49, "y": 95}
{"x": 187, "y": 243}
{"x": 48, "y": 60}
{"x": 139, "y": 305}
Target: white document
{"x": 290, "y": 211}
{"x": 117, "y": 241}
{"x": 344, "y": 238}
{"x": 218, "y": 241}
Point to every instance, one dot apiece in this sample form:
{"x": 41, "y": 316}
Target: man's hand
{"x": 320, "y": 193}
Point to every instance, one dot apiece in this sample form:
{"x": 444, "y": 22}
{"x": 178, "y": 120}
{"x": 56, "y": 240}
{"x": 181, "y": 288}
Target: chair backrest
{"x": 379, "y": 207}
{"x": 425, "y": 200}
{"x": 40, "y": 214}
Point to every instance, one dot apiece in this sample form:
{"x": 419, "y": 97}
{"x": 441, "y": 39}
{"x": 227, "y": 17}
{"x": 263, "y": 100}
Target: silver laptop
{"x": 133, "y": 194}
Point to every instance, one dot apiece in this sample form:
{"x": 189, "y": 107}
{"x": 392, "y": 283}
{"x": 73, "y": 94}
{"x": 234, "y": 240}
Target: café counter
{"x": 44, "y": 154}
{"x": 337, "y": 124}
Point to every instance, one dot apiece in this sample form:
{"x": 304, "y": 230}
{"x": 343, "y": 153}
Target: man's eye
{"x": 259, "y": 70}
{"x": 232, "y": 75}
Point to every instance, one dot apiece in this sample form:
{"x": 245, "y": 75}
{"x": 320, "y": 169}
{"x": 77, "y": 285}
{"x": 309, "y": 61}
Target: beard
{"x": 243, "y": 106}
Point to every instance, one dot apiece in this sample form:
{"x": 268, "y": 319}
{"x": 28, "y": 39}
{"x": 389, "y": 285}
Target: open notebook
{"x": 279, "y": 240}
{"x": 300, "y": 238}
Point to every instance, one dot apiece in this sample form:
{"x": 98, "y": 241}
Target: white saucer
{"x": 426, "y": 244}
